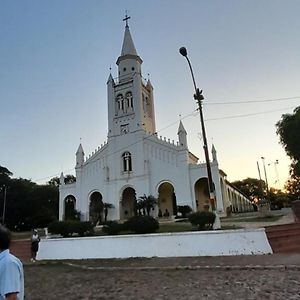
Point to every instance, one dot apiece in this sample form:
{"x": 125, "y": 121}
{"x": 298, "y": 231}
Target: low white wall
{"x": 200, "y": 243}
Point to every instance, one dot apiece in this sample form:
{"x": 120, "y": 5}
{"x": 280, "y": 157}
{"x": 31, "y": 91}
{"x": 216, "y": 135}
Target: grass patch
{"x": 21, "y": 235}
{"x": 254, "y": 219}
{"x": 175, "y": 227}
{"x": 229, "y": 227}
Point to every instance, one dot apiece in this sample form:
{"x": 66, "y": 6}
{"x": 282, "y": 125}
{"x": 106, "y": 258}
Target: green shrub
{"x": 67, "y": 228}
{"x": 112, "y": 227}
{"x": 83, "y": 228}
{"x": 142, "y": 224}
{"x": 184, "y": 210}
{"x": 204, "y": 220}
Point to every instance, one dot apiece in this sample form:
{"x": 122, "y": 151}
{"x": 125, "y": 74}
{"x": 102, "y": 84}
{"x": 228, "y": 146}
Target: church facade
{"x": 135, "y": 161}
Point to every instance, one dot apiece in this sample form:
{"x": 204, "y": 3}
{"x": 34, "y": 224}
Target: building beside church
{"x": 136, "y": 161}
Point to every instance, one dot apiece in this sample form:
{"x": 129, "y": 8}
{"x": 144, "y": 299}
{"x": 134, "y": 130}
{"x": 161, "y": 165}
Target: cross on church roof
{"x": 126, "y": 18}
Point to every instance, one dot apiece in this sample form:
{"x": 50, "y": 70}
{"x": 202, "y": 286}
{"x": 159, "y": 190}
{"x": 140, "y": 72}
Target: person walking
{"x": 11, "y": 270}
{"x": 35, "y": 239}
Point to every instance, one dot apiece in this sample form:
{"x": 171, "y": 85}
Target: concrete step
{"x": 284, "y": 238}
{"x": 284, "y": 233}
{"x": 275, "y": 228}
{"x": 21, "y": 249}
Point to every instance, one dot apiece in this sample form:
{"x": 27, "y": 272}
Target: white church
{"x": 135, "y": 161}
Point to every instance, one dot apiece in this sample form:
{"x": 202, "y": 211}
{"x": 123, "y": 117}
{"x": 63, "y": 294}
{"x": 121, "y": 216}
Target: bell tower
{"x": 130, "y": 97}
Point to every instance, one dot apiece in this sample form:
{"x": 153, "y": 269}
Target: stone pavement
{"x": 287, "y": 218}
{"x": 275, "y": 261}
{"x": 242, "y": 277}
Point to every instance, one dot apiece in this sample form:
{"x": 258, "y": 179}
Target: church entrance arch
{"x": 167, "y": 200}
{"x": 70, "y": 208}
{"x": 128, "y": 203}
{"x": 202, "y": 194}
{"x": 96, "y": 208}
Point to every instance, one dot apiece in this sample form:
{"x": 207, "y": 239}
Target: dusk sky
{"x": 55, "y": 58}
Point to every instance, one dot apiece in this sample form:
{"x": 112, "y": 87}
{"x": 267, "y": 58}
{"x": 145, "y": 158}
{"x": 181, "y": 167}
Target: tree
{"x": 96, "y": 211}
{"x": 5, "y": 172}
{"x": 253, "y": 188}
{"x": 147, "y": 203}
{"x": 68, "y": 179}
{"x": 54, "y": 181}
{"x": 292, "y": 186}
{"x": 106, "y": 206}
{"x": 5, "y": 175}
{"x": 288, "y": 129}
{"x": 184, "y": 210}
{"x": 278, "y": 198}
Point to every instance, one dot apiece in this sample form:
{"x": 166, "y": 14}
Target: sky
{"x": 55, "y": 58}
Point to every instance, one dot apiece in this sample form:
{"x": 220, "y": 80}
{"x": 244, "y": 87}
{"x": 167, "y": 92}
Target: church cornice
{"x": 129, "y": 56}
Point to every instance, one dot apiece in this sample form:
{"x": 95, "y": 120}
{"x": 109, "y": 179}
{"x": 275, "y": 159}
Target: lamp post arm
{"x": 194, "y": 82}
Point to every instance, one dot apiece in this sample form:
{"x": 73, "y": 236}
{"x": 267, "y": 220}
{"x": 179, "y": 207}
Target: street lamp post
{"x": 199, "y": 98}
{"x": 267, "y": 186}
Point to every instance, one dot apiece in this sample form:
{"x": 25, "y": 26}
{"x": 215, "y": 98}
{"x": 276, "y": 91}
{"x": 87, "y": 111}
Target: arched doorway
{"x": 167, "y": 200}
{"x": 202, "y": 194}
{"x": 70, "y": 212}
{"x": 128, "y": 203}
{"x": 96, "y": 208}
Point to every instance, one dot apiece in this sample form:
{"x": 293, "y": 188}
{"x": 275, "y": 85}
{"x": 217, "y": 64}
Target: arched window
{"x": 129, "y": 101}
{"x": 126, "y": 160}
{"x": 148, "y": 106}
{"x": 120, "y": 104}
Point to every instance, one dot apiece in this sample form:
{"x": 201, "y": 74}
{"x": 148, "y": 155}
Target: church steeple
{"x": 128, "y": 51}
{"x": 130, "y": 99}
{"x": 128, "y": 47}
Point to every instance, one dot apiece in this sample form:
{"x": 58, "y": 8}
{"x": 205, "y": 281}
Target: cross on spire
{"x": 126, "y": 19}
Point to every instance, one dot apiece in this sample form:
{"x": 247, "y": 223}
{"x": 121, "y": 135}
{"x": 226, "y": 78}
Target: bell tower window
{"x": 126, "y": 160}
{"x": 119, "y": 104}
{"x": 129, "y": 101}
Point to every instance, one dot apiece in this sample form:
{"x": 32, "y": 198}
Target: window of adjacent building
{"x": 126, "y": 160}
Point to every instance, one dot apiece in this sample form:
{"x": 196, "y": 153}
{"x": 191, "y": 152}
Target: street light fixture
{"x": 199, "y": 98}
{"x": 267, "y": 186}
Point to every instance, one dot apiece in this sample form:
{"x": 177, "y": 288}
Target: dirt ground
{"x": 252, "y": 277}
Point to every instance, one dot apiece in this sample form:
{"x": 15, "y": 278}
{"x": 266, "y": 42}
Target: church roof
{"x": 128, "y": 45}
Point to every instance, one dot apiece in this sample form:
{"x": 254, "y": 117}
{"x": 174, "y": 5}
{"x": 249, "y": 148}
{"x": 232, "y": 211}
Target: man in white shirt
{"x": 11, "y": 270}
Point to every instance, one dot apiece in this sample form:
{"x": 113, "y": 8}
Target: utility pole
{"x": 199, "y": 98}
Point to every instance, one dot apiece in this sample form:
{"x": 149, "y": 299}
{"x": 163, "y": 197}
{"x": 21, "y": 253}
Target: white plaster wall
{"x": 206, "y": 243}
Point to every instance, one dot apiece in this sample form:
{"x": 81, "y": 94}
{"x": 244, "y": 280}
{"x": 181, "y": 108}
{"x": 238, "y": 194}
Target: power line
{"x": 252, "y": 101}
{"x": 125, "y": 148}
{"x": 249, "y": 115}
{"x": 170, "y": 125}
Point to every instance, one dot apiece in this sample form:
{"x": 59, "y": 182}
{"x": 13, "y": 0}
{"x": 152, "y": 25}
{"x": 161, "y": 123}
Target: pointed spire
{"x": 149, "y": 84}
{"x": 182, "y": 135}
{"x": 79, "y": 156}
{"x": 214, "y": 153}
{"x": 128, "y": 45}
{"x": 181, "y": 128}
{"x": 80, "y": 150}
{"x": 62, "y": 178}
{"x": 110, "y": 79}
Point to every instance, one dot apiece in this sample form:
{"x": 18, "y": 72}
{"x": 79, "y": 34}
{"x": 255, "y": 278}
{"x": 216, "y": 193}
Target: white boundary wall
{"x": 199, "y": 243}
